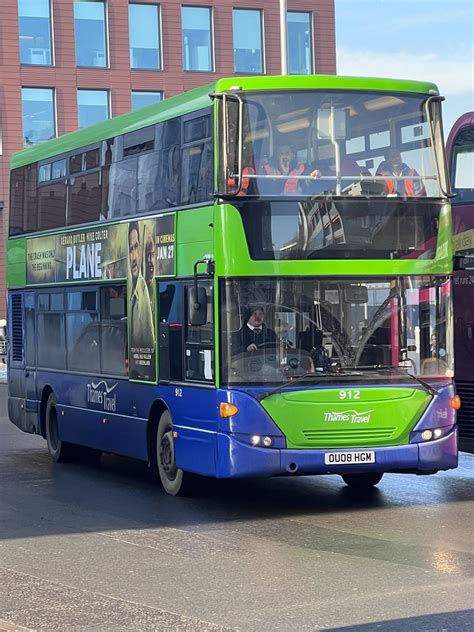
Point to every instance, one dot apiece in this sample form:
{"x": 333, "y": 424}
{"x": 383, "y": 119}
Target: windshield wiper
{"x": 295, "y": 380}
{"x": 399, "y": 371}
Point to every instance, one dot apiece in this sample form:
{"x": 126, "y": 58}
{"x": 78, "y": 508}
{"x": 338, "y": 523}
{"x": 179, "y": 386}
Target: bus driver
{"x": 254, "y": 333}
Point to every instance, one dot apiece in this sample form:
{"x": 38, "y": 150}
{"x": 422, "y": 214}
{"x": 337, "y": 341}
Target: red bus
{"x": 460, "y": 153}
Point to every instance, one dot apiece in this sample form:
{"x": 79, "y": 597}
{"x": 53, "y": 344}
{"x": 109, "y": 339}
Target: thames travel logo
{"x": 351, "y": 416}
{"x": 101, "y": 394}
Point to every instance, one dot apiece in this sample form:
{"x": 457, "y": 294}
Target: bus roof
{"x": 199, "y": 98}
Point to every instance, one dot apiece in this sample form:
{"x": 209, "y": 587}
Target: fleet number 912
{"x": 350, "y": 394}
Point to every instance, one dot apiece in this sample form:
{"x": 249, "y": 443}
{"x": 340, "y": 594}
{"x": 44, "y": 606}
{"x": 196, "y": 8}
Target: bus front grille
{"x": 351, "y": 435}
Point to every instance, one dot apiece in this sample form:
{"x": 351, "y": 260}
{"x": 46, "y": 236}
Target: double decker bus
{"x": 460, "y": 152}
{"x": 238, "y": 282}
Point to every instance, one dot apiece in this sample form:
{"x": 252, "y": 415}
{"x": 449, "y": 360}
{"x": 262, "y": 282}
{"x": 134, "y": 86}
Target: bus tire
{"x": 175, "y": 481}
{"x": 59, "y": 450}
{"x": 365, "y": 480}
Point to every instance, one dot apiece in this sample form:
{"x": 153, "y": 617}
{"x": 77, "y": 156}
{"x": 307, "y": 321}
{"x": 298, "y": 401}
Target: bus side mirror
{"x": 197, "y": 306}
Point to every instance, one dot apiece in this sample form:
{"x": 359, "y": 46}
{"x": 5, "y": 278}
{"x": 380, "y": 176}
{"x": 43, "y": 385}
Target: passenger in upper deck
{"x": 393, "y": 165}
{"x": 247, "y": 185}
{"x": 284, "y": 163}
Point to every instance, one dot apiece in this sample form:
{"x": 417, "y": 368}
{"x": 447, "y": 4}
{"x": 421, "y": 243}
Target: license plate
{"x": 349, "y": 458}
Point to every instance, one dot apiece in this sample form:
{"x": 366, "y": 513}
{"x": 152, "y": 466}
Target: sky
{"x": 429, "y": 40}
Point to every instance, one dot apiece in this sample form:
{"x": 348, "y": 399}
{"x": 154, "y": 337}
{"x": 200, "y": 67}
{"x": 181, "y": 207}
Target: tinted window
{"x": 84, "y": 198}
{"x": 52, "y": 205}
{"x": 122, "y": 197}
{"x": 51, "y": 340}
{"x": 114, "y": 330}
{"x": 17, "y": 201}
{"x": 83, "y": 342}
{"x": 171, "y": 317}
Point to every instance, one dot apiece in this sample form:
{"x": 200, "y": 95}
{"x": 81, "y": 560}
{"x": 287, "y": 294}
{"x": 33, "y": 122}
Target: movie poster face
{"x": 136, "y": 251}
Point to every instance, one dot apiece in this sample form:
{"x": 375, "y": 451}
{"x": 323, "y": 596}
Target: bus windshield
{"x": 343, "y": 143}
{"x": 277, "y": 329}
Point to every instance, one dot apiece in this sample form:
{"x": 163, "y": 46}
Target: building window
{"x": 300, "y": 43}
{"x": 92, "y": 106}
{"x": 34, "y": 24}
{"x": 89, "y": 26}
{"x": 248, "y": 49}
{"x": 144, "y": 33}
{"x": 144, "y": 98}
{"x": 38, "y": 115}
{"x": 197, "y": 38}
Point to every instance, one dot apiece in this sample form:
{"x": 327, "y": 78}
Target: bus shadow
{"x": 120, "y": 493}
{"x": 444, "y": 621}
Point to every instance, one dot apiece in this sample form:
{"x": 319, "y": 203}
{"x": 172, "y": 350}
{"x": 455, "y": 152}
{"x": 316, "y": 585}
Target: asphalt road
{"x": 102, "y": 548}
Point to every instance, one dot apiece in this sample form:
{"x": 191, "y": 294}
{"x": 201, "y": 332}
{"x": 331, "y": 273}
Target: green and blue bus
{"x": 146, "y": 255}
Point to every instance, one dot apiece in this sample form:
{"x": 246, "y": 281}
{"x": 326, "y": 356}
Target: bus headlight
{"x": 430, "y": 434}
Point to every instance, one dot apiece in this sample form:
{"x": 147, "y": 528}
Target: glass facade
{"x": 144, "y": 25}
{"x": 38, "y": 115}
{"x": 90, "y": 32}
{"x": 248, "y": 49}
{"x": 34, "y": 25}
{"x": 141, "y": 99}
{"x": 300, "y": 43}
{"x": 92, "y": 107}
{"x": 197, "y": 39}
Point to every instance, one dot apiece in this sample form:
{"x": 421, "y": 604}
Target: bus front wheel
{"x": 174, "y": 480}
{"x": 364, "y": 480}
{"x": 59, "y": 450}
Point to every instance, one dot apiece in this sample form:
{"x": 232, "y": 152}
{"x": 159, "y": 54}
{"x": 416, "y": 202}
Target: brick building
{"x": 70, "y": 63}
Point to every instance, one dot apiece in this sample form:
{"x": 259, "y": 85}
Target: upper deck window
{"x": 343, "y": 143}
{"x": 197, "y": 38}
{"x": 144, "y": 25}
{"x": 34, "y": 25}
{"x": 90, "y": 32}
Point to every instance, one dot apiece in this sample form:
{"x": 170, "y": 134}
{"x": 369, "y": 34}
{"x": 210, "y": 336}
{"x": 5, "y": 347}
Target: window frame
{"x": 183, "y": 286}
{"x": 109, "y": 104}
{"x": 262, "y": 41}
{"x": 54, "y": 114}
{"x": 210, "y": 9}
{"x": 106, "y": 35}
{"x": 311, "y": 35}
{"x": 160, "y": 37}
{"x": 51, "y": 37}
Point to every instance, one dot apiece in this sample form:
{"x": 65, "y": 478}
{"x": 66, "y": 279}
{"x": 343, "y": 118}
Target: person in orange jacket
{"x": 393, "y": 167}
{"x": 284, "y": 163}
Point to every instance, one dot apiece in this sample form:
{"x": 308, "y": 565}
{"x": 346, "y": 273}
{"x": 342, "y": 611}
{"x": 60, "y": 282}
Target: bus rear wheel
{"x": 364, "y": 480}
{"x": 59, "y": 450}
{"x": 175, "y": 481}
